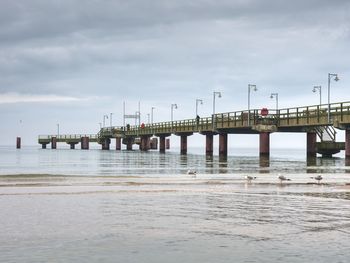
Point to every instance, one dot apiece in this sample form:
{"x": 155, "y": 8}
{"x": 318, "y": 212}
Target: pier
{"x": 316, "y": 121}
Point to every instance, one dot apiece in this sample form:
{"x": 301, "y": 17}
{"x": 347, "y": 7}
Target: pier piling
{"x": 223, "y": 144}
{"x": 209, "y": 143}
{"x": 118, "y": 144}
{"x": 311, "y": 145}
{"x": 264, "y": 149}
{"x": 18, "y": 143}
{"x": 85, "y": 143}
{"x": 347, "y": 144}
{"x": 53, "y": 143}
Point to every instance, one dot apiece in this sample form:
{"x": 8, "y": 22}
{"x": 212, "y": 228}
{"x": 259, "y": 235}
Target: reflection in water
{"x": 264, "y": 161}
{"x": 347, "y": 164}
{"x": 97, "y": 162}
{"x": 223, "y": 164}
{"x": 311, "y": 161}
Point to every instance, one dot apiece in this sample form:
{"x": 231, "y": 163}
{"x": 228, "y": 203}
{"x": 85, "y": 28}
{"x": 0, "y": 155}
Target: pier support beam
{"x": 43, "y": 145}
{"x": 183, "y": 144}
{"x": 128, "y": 142}
{"x": 105, "y": 144}
{"x": 85, "y": 143}
{"x": 53, "y": 143}
{"x": 209, "y": 143}
{"x": 311, "y": 145}
{"x": 223, "y": 144}
{"x": 264, "y": 149}
{"x": 162, "y": 144}
{"x": 118, "y": 144}
{"x": 18, "y": 143}
{"x": 144, "y": 146}
{"x": 347, "y": 144}
{"x": 153, "y": 143}
{"x": 72, "y": 145}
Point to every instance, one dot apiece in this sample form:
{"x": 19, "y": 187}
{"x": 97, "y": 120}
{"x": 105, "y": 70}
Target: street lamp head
{"x": 336, "y": 78}
{"x": 314, "y": 90}
{"x": 252, "y": 86}
{"x": 174, "y": 105}
{"x": 271, "y": 96}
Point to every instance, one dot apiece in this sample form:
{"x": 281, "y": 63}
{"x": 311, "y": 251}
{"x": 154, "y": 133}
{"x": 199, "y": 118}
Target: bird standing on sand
{"x": 318, "y": 178}
{"x": 283, "y": 178}
{"x": 249, "y": 178}
{"x": 192, "y": 172}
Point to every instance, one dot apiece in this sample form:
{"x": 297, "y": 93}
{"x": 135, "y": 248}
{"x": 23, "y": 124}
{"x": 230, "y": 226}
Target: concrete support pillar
{"x": 43, "y": 146}
{"x": 167, "y": 144}
{"x": 347, "y": 144}
{"x": 53, "y": 143}
{"x": 129, "y": 145}
{"x": 105, "y": 144}
{"x": 209, "y": 139}
{"x": 154, "y": 143}
{"x": 183, "y": 144}
{"x": 311, "y": 145}
{"x": 223, "y": 144}
{"x": 144, "y": 145}
{"x": 162, "y": 144}
{"x": 85, "y": 143}
{"x": 72, "y": 146}
{"x": 264, "y": 149}
{"x": 18, "y": 143}
{"x": 118, "y": 144}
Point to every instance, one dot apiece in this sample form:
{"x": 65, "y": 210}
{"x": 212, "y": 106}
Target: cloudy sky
{"x": 72, "y": 61}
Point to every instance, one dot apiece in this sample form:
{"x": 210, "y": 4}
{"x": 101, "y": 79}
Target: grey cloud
{"x": 163, "y": 51}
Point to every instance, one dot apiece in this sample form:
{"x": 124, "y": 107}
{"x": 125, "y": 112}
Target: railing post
{"x": 341, "y": 111}
{"x": 297, "y": 115}
{"x": 235, "y": 119}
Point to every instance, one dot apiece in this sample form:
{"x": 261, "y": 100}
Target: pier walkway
{"x": 315, "y": 121}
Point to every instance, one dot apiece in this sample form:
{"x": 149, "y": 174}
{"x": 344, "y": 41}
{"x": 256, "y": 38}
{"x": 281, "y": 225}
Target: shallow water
{"x": 97, "y": 206}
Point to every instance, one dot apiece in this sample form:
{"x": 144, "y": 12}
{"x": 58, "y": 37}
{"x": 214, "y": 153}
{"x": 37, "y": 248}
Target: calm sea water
{"x": 108, "y": 206}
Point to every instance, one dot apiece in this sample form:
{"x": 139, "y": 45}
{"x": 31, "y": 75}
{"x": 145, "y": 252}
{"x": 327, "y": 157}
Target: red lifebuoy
{"x": 264, "y": 112}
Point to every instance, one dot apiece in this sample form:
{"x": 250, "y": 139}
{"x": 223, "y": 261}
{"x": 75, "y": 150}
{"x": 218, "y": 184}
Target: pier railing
{"x": 308, "y": 116}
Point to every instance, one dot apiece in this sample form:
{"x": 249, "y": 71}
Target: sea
{"x": 130, "y": 206}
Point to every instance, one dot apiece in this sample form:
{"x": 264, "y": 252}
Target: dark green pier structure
{"x": 316, "y": 121}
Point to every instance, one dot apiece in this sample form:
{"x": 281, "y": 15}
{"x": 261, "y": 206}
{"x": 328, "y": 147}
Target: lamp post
{"x": 110, "y": 118}
{"x": 104, "y": 120}
{"x": 319, "y": 88}
{"x": 173, "y": 106}
{"x": 148, "y": 118}
{"x": 275, "y": 95}
{"x": 336, "y": 78}
{"x": 215, "y": 93}
{"x": 100, "y": 125}
{"x": 58, "y": 130}
{"x": 250, "y": 87}
{"x": 152, "y": 114}
{"x": 197, "y": 102}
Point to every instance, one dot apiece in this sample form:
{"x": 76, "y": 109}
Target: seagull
{"x": 318, "y": 178}
{"x": 283, "y": 178}
{"x": 249, "y": 178}
{"x": 192, "y": 172}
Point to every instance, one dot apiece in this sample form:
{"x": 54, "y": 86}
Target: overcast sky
{"x": 72, "y": 61}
